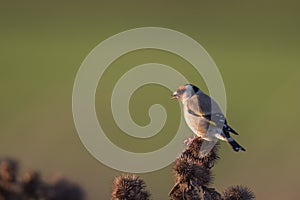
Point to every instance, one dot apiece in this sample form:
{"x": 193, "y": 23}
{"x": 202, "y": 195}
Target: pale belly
{"x": 196, "y": 124}
{"x": 201, "y": 127}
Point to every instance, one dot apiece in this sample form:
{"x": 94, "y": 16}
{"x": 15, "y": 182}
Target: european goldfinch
{"x": 204, "y": 117}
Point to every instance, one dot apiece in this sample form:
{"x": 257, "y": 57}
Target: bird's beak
{"x": 174, "y": 95}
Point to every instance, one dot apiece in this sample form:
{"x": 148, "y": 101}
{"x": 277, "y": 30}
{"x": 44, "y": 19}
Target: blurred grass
{"x": 255, "y": 44}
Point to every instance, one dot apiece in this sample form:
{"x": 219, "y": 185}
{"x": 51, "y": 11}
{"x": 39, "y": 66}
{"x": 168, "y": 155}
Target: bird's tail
{"x": 235, "y": 145}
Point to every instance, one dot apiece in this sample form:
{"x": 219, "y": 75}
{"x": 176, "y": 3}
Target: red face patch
{"x": 180, "y": 91}
{"x": 182, "y": 87}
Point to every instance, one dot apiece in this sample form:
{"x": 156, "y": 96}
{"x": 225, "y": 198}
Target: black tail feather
{"x": 226, "y": 127}
{"x": 235, "y": 145}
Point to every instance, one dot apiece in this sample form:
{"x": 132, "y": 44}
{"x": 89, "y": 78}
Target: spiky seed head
{"x": 188, "y": 171}
{"x": 238, "y": 193}
{"x": 192, "y": 152}
{"x": 8, "y": 169}
{"x": 129, "y": 187}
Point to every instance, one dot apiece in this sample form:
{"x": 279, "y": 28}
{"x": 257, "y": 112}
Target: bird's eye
{"x": 180, "y": 91}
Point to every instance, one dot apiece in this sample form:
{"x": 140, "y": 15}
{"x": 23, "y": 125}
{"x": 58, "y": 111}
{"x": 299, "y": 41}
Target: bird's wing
{"x": 199, "y": 114}
{"x": 201, "y": 105}
{"x": 200, "y": 102}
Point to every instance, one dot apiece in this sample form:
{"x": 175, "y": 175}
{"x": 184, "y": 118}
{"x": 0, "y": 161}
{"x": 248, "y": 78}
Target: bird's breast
{"x": 197, "y": 124}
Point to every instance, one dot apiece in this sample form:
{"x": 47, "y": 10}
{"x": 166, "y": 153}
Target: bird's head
{"x": 184, "y": 92}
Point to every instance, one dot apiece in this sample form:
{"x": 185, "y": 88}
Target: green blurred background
{"x": 255, "y": 44}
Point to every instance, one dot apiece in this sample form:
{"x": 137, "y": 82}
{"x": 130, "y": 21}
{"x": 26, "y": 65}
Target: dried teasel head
{"x": 238, "y": 193}
{"x": 192, "y": 151}
{"x": 129, "y": 187}
{"x": 8, "y": 169}
{"x": 186, "y": 170}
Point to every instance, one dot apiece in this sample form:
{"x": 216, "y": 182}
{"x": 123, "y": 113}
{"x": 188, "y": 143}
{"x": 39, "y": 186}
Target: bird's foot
{"x": 189, "y": 140}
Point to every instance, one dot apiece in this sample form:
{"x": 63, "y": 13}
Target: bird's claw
{"x": 189, "y": 141}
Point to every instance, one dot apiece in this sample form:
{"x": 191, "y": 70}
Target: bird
{"x": 205, "y": 118}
